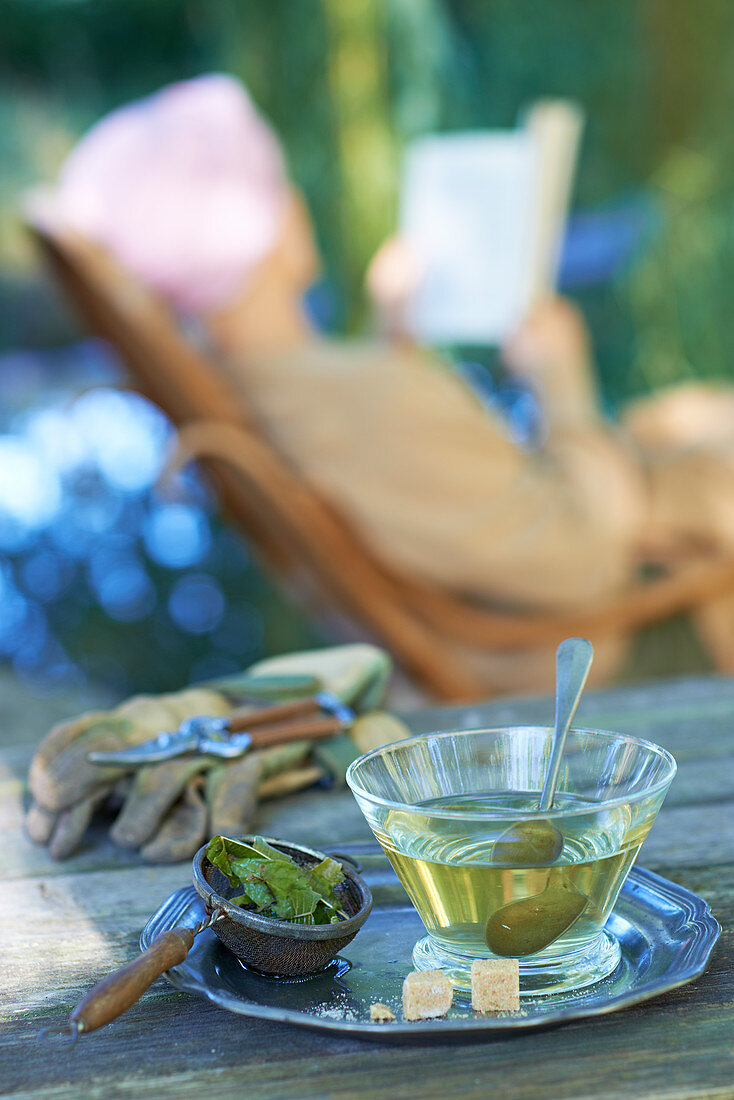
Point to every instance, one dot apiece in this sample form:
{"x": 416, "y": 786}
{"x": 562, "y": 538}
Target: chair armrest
{"x": 683, "y": 588}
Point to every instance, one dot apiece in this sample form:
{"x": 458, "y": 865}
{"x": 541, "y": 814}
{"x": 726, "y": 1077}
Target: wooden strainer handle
{"x": 119, "y": 991}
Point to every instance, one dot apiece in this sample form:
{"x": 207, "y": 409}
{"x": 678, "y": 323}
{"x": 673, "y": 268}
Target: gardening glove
{"x": 163, "y": 809}
{"x": 66, "y": 789}
{"x": 170, "y": 808}
{"x": 358, "y": 674}
{"x": 170, "y": 811}
{"x": 60, "y": 774}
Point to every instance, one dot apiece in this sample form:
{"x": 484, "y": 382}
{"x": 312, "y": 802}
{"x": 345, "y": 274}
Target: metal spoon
{"x": 573, "y": 661}
{"x": 534, "y": 843}
{"x": 528, "y": 925}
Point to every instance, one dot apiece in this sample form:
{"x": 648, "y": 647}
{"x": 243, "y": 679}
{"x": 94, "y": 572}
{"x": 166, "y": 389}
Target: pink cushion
{"x": 186, "y": 188}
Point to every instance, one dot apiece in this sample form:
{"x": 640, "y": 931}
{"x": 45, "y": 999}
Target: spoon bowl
{"x": 532, "y": 924}
{"x": 528, "y": 844}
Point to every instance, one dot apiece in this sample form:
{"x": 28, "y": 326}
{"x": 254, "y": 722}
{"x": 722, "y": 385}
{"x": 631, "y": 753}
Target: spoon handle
{"x": 573, "y": 661}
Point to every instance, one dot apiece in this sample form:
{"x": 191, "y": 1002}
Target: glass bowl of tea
{"x": 489, "y": 873}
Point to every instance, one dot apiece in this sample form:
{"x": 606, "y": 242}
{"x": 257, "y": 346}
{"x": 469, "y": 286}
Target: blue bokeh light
{"x": 45, "y": 575}
{"x": 122, "y": 585}
{"x": 30, "y": 493}
{"x": 177, "y": 535}
{"x": 125, "y": 435}
{"x": 13, "y": 612}
{"x": 106, "y": 571}
{"x": 196, "y": 603}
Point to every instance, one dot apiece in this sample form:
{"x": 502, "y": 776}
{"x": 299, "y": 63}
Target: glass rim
{"x": 453, "y": 815}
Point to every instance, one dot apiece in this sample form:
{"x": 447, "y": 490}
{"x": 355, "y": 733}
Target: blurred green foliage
{"x": 346, "y": 82}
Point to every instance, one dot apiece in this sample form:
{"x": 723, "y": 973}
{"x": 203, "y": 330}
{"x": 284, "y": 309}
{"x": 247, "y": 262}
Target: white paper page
{"x": 467, "y": 206}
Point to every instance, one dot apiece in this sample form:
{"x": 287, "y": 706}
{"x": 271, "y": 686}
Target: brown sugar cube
{"x": 495, "y": 985}
{"x": 381, "y": 1014}
{"x": 426, "y": 993}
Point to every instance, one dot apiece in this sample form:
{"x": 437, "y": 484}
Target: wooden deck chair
{"x": 298, "y": 535}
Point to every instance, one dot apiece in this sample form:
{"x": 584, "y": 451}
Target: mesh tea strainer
{"x": 268, "y": 946}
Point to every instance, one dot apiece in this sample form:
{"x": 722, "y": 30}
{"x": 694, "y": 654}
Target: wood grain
{"x": 64, "y": 926}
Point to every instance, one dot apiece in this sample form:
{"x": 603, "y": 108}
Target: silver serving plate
{"x": 666, "y": 934}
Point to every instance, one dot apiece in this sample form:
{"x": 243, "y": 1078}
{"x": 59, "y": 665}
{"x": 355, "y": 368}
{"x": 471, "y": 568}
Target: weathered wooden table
{"x": 65, "y": 925}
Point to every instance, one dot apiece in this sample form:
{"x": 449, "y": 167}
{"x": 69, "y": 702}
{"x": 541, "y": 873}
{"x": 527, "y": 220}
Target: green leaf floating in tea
{"x": 528, "y": 925}
{"x": 528, "y": 844}
{"x": 274, "y": 885}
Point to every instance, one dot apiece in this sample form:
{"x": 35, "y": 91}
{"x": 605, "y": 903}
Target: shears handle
{"x": 324, "y": 701}
{"x": 314, "y": 730}
{"x": 245, "y": 720}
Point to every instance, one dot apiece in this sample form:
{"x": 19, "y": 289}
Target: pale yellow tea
{"x": 487, "y": 888}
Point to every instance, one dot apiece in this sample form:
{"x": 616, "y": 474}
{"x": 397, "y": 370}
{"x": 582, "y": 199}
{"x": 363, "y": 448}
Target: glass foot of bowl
{"x": 540, "y": 976}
